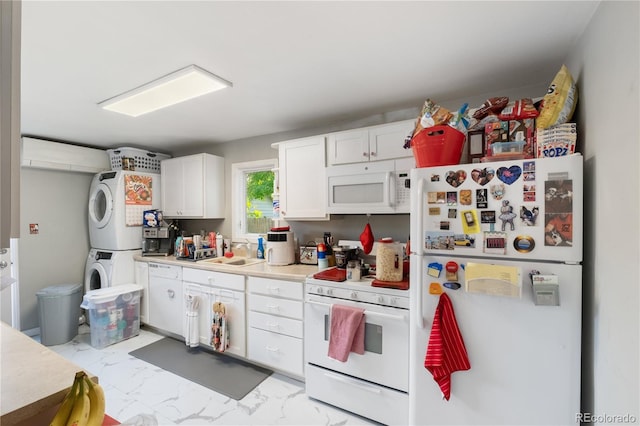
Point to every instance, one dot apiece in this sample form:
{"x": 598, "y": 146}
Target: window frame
{"x": 238, "y": 194}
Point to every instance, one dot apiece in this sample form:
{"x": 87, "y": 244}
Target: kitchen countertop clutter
{"x": 256, "y": 268}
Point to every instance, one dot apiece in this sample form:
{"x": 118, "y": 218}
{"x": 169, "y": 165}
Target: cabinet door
{"x": 204, "y": 313}
{"x": 166, "y": 306}
{"x": 386, "y": 141}
{"x": 303, "y": 192}
{"x": 193, "y": 185}
{"x": 142, "y": 279}
{"x": 171, "y": 188}
{"x": 348, "y": 147}
{"x": 236, "y": 318}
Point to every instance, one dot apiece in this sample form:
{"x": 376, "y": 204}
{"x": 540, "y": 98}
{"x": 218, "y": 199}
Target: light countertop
{"x": 34, "y": 378}
{"x": 296, "y": 272}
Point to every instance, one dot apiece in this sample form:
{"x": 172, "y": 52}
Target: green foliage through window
{"x": 259, "y": 187}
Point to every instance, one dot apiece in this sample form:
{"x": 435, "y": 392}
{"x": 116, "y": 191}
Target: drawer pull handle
{"x": 273, "y": 325}
{"x": 273, "y": 307}
{"x": 272, "y": 349}
{"x": 171, "y": 294}
{"x": 345, "y": 380}
{"x": 273, "y": 289}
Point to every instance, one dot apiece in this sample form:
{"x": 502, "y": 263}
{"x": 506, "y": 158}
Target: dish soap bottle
{"x": 260, "y": 250}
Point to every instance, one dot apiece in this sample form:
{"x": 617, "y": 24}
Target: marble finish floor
{"x": 134, "y": 387}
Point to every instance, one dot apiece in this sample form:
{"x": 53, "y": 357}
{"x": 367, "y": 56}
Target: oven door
{"x": 386, "y": 357}
{"x": 361, "y": 188}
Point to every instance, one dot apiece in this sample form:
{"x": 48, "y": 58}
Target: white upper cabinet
{"x": 193, "y": 187}
{"x": 303, "y": 194}
{"x": 376, "y": 143}
{"x": 351, "y": 146}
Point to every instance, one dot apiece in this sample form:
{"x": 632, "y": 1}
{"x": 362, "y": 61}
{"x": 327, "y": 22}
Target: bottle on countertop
{"x": 219, "y": 245}
{"x": 323, "y": 262}
{"x": 260, "y": 250}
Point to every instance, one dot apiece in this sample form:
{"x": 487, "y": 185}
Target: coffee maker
{"x": 158, "y": 241}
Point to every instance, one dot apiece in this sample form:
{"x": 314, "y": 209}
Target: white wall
{"x": 605, "y": 66}
{"x": 57, "y": 201}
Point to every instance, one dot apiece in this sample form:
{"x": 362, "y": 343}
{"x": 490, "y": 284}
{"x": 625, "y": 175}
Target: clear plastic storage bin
{"x": 507, "y": 147}
{"x": 114, "y": 313}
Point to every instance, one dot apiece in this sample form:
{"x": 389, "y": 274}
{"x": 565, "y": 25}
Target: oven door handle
{"x": 366, "y": 312}
{"x": 353, "y": 383}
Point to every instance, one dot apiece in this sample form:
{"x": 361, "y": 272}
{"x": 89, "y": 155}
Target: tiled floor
{"x": 134, "y": 388}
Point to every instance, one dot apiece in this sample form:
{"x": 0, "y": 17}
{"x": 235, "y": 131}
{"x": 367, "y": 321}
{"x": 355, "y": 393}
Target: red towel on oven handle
{"x": 446, "y": 352}
{"x": 346, "y": 332}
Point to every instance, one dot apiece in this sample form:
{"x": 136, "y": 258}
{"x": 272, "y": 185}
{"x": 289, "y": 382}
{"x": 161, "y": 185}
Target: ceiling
{"x": 294, "y": 65}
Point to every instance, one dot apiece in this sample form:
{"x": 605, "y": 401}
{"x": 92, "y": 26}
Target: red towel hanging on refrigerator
{"x": 446, "y": 352}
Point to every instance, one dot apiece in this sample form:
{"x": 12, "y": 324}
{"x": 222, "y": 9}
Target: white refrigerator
{"x": 503, "y": 240}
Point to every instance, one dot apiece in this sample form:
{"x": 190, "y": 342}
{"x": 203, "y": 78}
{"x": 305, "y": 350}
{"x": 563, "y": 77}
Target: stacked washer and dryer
{"x": 117, "y": 201}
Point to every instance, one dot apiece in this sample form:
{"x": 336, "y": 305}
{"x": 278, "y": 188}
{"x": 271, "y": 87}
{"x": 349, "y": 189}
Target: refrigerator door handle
{"x": 418, "y": 247}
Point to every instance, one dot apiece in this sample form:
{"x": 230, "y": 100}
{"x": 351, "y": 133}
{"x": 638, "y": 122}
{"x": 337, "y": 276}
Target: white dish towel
{"x": 192, "y": 338}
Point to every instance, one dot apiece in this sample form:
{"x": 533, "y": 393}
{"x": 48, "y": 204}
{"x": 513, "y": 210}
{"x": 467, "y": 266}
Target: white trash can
{"x": 59, "y": 313}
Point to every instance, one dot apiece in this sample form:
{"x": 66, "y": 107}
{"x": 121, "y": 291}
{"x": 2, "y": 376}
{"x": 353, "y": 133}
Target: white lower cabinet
{"x": 166, "y": 304}
{"x": 275, "y": 327}
{"x": 211, "y": 287}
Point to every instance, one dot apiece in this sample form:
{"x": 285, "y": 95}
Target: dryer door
{"x": 96, "y": 277}
{"x": 100, "y": 206}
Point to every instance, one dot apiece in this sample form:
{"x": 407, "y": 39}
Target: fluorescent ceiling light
{"x": 179, "y": 86}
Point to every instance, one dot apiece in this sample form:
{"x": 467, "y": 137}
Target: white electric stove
{"x": 374, "y": 385}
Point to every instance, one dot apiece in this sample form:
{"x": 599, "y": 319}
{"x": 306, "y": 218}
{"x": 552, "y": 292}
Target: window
{"x": 252, "y": 198}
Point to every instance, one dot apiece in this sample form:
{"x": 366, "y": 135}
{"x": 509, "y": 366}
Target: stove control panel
{"x": 360, "y": 293}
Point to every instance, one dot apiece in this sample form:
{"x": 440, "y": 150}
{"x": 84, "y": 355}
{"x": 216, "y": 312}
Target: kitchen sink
{"x": 233, "y": 261}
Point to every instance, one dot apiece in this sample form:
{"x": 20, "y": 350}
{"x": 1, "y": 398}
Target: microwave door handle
{"x": 391, "y": 190}
{"x": 419, "y": 250}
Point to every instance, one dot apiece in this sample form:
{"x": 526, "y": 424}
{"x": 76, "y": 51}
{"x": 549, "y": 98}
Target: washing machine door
{"x": 96, "y": 277}
{"x": 100, "y": 206}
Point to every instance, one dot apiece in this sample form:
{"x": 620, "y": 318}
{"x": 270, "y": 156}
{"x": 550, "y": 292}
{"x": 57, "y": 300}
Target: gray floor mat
{"x": 227, "y": 375}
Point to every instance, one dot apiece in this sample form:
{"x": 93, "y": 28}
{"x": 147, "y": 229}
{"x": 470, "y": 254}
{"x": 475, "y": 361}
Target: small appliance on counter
{"x": 344, "y": 253}
{"x": 157, "y": 241}
{"x": 158, "y": 237}
{"x": 281, "y": 247}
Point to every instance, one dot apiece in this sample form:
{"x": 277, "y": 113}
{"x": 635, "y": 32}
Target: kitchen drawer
{"x": 276, "y": 350}
{"x": 375, "y": 402}
{"x": 288, "y": 326}
{"x": 275, "y": 306}
{"x": 213, "y": 279}
{"x": 279, "y": 288}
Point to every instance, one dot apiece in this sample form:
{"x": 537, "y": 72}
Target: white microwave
{"x": 371, "y": 187}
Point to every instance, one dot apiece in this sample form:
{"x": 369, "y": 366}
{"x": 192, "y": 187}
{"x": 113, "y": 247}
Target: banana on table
{"x": 84, "y": 405}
